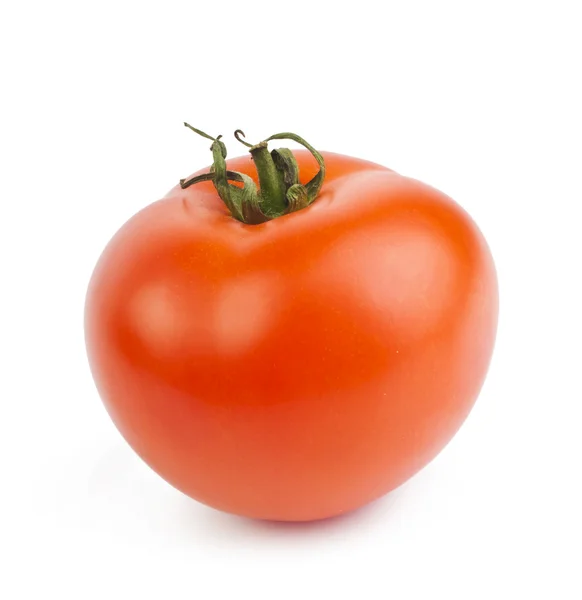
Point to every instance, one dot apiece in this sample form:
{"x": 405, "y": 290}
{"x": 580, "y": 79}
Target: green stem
{"x": 278, "y": 173}
{"x": 270, "y": 181}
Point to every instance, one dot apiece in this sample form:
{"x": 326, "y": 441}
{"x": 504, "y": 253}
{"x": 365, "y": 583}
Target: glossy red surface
{"x": 300, "y": 368}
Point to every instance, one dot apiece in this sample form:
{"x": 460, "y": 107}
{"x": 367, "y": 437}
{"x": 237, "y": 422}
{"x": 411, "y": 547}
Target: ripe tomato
{"x": 299, "y": 368}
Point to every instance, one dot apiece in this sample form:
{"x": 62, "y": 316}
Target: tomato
{"x": 297, "y": 368}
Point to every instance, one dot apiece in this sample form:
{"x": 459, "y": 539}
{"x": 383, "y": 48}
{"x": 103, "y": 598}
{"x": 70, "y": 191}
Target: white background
{"x": 482, "y": 100}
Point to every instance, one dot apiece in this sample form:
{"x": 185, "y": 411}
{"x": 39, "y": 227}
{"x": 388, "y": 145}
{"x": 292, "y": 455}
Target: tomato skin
{"x": 300, "y": 368}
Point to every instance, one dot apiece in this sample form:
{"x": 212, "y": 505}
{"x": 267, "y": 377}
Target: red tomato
{"x": 302, "y": 367}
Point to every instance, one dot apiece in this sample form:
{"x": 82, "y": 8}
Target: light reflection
{"x": 243, "y": 312}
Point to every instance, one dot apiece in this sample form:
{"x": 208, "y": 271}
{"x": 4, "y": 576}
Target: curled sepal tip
{"x": 237, "y": 134}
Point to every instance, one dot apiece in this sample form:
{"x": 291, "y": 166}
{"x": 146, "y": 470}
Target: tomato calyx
{"x": 279, "y": 191}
